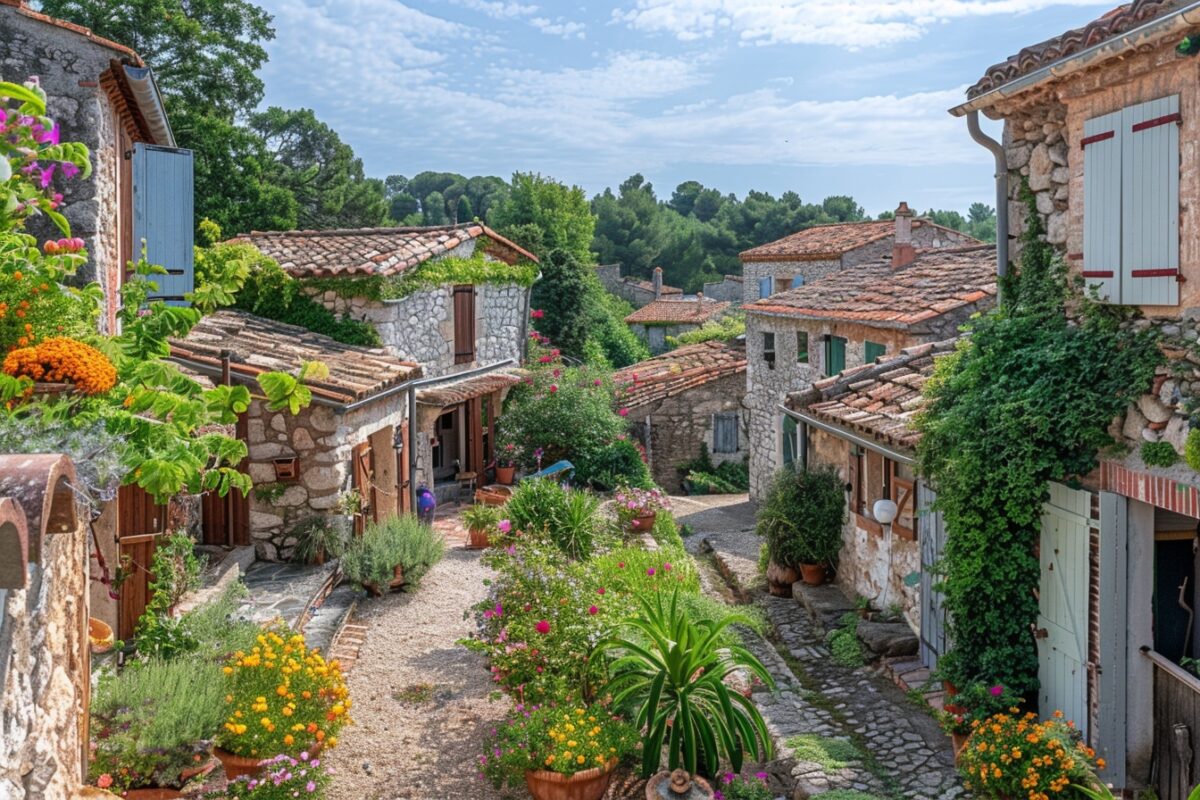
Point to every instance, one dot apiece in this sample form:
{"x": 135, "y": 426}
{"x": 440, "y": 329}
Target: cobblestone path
{"x": 840, "y": 728}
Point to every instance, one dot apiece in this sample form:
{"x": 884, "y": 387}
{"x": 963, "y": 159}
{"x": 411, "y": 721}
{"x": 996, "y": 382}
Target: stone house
{"x": 849, "y": 318}
{"x": 103, "y": 95}
{"x": 730, "y": 289}
{"x": 465, "y": 336}
{"x": 814, "y": 252}
{"x": 654, "y": 322}
{"x": 1102, "y": 124}
{"x": 684, "y": 399}
{"x": 636, "y": 291}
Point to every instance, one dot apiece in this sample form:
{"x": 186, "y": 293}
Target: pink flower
{"x": 624, "y": 412}
{"x": 650, "y": 571}
{"x": 621, "y": 565}
{"x": 553, "y": 388}
{"x": 600, "y": 590}
{"x": 104, "y": 781}
{"x": 504, "y": 526}
{"x": 762, "y": 776}
{"x": 545, "y": 360}
{"x": 543, "y": 626}
{"x": 593, "y": 611}
{"x": 727, "y": 777}
{"x": 997, "y": 691}
{"x": 537, "y": 313}
{"x": 557, "y": 372}
{"x": 667, "y": 567}
{"x": 596, "y": 382}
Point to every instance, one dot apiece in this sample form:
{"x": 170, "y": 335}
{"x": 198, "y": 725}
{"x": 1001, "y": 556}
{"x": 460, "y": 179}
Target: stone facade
{"x": 674, "y": 428}
{"x": 728, "y": 289}
{"x": 635, "y": 291}
{"x": 655, "y": 336}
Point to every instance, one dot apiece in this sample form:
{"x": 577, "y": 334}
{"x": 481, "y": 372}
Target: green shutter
{"x": 872, "y": 351}
{"x": 835, "y": 355}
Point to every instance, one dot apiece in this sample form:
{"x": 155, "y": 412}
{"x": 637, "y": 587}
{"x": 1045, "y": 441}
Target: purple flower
{"x": 311, "y": 786}
{"x": 997, "y": 691}
{"x": 727, "y": 777}
{"x": 46, "y": 176}
{"x": 504, "y": 525}
{"x": 69, "y": 170}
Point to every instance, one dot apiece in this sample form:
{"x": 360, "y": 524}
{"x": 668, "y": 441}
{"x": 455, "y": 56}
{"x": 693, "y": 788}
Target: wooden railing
{"x": 1176, "y": 728}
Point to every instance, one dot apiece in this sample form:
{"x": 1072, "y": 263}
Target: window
{"x": 769, "y": 350}
{"x": 835, "y": 354}
{"x": 163, "y": 217}
{"x": 657, "y": 338}
{"x": 1131, "y": 203}
{"x": 801, "y": 347}
{"x": 464, "y": 324}
{"x": 764, "y": 287}
{"x": 783, "y": 283}
{"x": 725, "y": 432}
{"x": 790, "y": 443}
{"x": 873, "y": 476}
{"x": 872, "y": 351}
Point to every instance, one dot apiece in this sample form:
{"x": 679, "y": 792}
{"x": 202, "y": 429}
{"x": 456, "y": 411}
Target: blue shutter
{"x": 1150, "y": 207}
{"x": 725, "y": 433}
{"x": 764, "y": 287}
{"x": 797, "y": 281}
{"x": 1102, "y": 138}
{"x": 163, "y": 216}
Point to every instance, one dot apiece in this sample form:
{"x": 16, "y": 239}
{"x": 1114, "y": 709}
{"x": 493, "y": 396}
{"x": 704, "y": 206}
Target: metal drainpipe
{"x": 997, "y": 151}
{"x": 413, "y": 449}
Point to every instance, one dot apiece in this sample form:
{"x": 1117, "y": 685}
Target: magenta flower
{"x": 504, "y": 526}
{"x": 545, "y": 360}
{"x": 667, "y": 567}
{"x": 596, "y": 382}
{"x": 727, "y": 777}
{"x": 557, "y": 372}
{"x": 650, "y": 571}
{"x": 537, "y": 313}
{"x": 762, "y": 776}
{"x": 600, "y": 590}
{"x": 593, "y": 611}
{"x": 997, "y": 691}
{"x": 543, "y": 626}
{"x": 553, "y": 388}
{"x": 624, "y": 412}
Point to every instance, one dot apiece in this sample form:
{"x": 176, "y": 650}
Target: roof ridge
{"x": 367, "y": 231}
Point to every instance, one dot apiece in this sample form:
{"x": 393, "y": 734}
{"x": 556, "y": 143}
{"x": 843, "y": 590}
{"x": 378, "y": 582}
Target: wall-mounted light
{"x": 884, "y": 511}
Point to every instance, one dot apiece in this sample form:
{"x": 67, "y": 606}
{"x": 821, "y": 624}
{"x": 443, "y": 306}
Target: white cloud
{"x": 853, "y": 24}
{"x": 560, "y": 27}
{"x": 498, "y": 9}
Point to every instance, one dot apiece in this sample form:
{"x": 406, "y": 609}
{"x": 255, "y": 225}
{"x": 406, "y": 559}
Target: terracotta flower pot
{"x": 587, "y": 785}
{"x": 505, "y": 475}
{"x": 477, "y": 539}
{"x": 236, "y": 766}
{"x": 396, "y": 582}
{"x": 813, "y": 574}
{"x": 780, "y": 579}
{"x": 644, "y": 522}
{"x": 100, "y": 636}
{"x": 153, "y": 793}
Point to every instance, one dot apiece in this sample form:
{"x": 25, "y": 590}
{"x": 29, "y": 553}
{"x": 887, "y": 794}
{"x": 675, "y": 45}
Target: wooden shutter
{"x": 360, "y": 467}
{"x": 797, "y": 281}
{"x": 163, "y": 217}
{"x": 464, "y": 324}
{"x": 474, "y": 415}
{"x": 802, "y": 347}
{"x": 404, "y": 470}
{"x": 764, "y": 287}
{"x": 1102, "y": 138}
{"x": 835, "y": 354}
{"x": 1150, "y": 203}
{"x": 725, "y": 433}
{"x": 872, "y": 351}
{"x": 854, "y": 472}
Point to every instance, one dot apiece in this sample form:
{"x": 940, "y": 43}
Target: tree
{"x": 562, "y": 294}
{"x": 561, "y": 212}
{"x": 463, "y": 212}
{"x": 434, "y": 209}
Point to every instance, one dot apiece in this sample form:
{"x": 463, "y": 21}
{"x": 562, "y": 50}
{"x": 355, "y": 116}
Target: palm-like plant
{"x": 673, "y": 670}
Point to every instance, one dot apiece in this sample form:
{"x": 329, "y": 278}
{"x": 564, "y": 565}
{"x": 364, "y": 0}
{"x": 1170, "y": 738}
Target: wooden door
{"x": 1063, "y": 605}
{"x": 140, "y": 522}
{"x": 404, "y": 471}
{"x": 932, "y": 534}
{"x": 360, "y": 470}
{"x": 225, "y": 521}
{"x": 385, "y": 483}
{"x": 474, "y": 462}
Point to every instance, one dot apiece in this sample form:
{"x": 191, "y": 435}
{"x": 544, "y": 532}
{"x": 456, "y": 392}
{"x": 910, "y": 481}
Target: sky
{"x": 819, "y": 97}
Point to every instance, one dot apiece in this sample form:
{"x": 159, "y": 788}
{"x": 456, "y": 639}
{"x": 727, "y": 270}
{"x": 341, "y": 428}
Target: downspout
{"x": 1001, "y": 161}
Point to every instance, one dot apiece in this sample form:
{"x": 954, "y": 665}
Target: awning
{"x": 451, "y": 394}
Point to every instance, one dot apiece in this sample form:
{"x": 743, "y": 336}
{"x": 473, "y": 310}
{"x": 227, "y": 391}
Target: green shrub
{"x": 618, "y": 463}
{"x": 216, "y": 627}
{"x": 802, "y": 515}
{"x": 830, "y": 753}
{"x": 320, "y": 536}
{"x": 1159, "y": 454}
{"x": 1191, "y": 450}
{"x": 402, "y": 541}
{"x": 176, "y": 571}
{"x": 567, "y": 517}
{"x": 723, "y": 329}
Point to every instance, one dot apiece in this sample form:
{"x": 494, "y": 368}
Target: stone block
{"x": 826, "y": 603}
{"x": 888, "y": 639}
{"x": 293, "y": 496}
{"x": 1176, "y": 432}
{"x": 1040, "y": 167}
{"x": 322, "y": 478}
{"x": 1152, "y": 409}
{"x": 1056, "y": 228}
{"x": 1134, "y": 423}
{"x": 302, "y": 439}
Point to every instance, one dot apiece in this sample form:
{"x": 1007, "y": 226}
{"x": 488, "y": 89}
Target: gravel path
{"x": 421, "y": 707}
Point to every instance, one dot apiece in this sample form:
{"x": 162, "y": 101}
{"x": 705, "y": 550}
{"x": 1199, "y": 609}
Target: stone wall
{"x": 643, "y": 333}
{"x": 729, "y": 289}
{"x": 62, "y": 60}
{"x": 46, "y": 674}
{"x": 323, "y": 440}
{"x": 811, "y": 270}
{"x": 610, "y": 279}
{"x": 679, "y": 425}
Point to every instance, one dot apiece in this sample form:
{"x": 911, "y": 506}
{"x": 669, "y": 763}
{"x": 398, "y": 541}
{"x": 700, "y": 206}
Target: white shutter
{"x": 1150, "y": 193}
{"x": 1101, "y": 145}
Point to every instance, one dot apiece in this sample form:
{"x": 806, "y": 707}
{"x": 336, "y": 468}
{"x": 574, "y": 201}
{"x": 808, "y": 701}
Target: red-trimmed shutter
{"x": 1102, "y": 138}
{"x": 1150, "y": 208}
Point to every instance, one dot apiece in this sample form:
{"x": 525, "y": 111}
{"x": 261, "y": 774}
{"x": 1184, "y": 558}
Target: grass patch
{"x": 830, "y": 754}
{"x": 415, "y": 694}
{"x": 843, "y": 642}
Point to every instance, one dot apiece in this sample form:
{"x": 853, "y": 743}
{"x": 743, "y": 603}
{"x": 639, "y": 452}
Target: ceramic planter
{"x": 587, "y": 785}
{"x": 100, "y": 636}
{"x": 780, "y": 579}
{"x": 813, "y": 574}
{"x": 237, "y": 766}
{"x": 678, "y": 785}
{"x": 644, "y": 522}
{"x": 477, "y": 539}
{"x": 505, "y": 475}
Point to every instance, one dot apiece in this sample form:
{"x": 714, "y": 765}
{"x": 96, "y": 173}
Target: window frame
{"x": 802, "y": 352}
{"x": 768, "y": 351}
{"x": 726, "y": 418}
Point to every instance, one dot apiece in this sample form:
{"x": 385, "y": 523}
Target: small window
{"x": 769, "y": 350}
{"x": 764, "y": 287}
{"x": 872, "y": 351}
{"x": 782, "y": 284}
{"x": 464, "y": 324}
{"x": 801, "y": 347}
{"x": 725, "y": 432}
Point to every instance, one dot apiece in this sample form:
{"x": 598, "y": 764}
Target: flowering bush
{"x": 737, "y": 787}
{"x": 282, "y": 697}
{"x": 63, "y": 360}
{"x": 631, "y": 503}
{"x": 283, "y": 778}
{"x": 1017, "y": 756}
{"x": 975, "y": 703}
{"x": 558, "y": 737}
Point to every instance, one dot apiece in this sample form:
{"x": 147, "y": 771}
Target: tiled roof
{"x": 372, "y": 251}
{"x": 26, "y": 11}
{"x": 648, "y": 286}
{"x": 677, "y": 312}
{"x": 259, "y": 345}
{"x": 678, "y": 371}
{"x": 827, "y": 241}
{"x": 937, "y": 282}
{"x": 880, "y": 399}
{"x": 1116, "y": 22}
{"x": 453, "y": 393}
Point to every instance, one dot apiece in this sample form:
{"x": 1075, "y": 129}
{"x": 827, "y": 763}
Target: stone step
{"x": 230, "y": 567}
{"x": 825, "y": 603}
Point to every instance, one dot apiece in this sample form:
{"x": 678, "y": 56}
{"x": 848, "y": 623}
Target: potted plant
{"x": 153, "y": 727}
{"x": 280, "y": 698}
{"x": 976, "y": 702}
{"x": 559, "y": 750}
{"x": 638, "y": 508}
{"x": 672, "y": 670}
{"x": 283, "y": 778}
{"x": 506, "y": 465}
{"x": 481, "y": 520}
{"x": 318, "y": 538}
{"x": 395, "y": 552}
{"x": 801, "y": 519}
{"x": 100, "y": 636}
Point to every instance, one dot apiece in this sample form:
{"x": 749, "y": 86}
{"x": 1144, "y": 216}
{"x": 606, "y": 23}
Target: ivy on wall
{"x": 1026, "y": 398}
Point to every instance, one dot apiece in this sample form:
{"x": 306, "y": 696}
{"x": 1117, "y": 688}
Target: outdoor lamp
{"x": 884, "y": 511}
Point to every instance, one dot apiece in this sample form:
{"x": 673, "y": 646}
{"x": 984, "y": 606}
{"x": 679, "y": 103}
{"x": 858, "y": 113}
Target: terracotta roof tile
{"x": 880, "y": 399}
{"x": 1116, "y": 22}
{"x": 453, "y": 393}
{"x": 937, "y": 282}
{"x": 648, "y": 286}
{"x": 371, "y": 251}
{"x": 827, "y": 241}
{"x": 677, "y": 312}
{"x": 26, "y": 11}
{"x": 261, "y": 345}
{"x": 678, "y": 371}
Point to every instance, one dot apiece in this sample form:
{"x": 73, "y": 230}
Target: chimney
{"x": 699, "y": 303}
{"x": 657, "y": 282}
{"x": 903, "y": 252}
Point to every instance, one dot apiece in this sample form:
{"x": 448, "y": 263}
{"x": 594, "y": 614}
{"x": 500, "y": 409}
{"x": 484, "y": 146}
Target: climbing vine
{"x": 1026, "y": 398}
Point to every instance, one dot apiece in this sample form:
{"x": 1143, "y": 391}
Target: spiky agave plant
{"x": 673, "y": 670}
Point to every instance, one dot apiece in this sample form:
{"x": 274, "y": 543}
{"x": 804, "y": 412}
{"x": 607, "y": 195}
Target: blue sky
{"x": 817, "y": 96}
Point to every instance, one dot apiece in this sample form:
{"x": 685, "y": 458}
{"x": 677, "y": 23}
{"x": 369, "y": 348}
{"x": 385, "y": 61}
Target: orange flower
{"x": 63, "y": 360}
